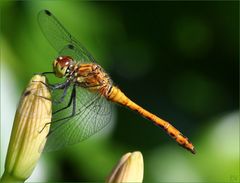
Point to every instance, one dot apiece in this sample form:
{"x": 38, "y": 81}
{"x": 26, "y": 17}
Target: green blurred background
{"x": 180, "y": 60}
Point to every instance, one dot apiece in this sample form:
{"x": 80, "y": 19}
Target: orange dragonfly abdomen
{"x": 116, "y": 95}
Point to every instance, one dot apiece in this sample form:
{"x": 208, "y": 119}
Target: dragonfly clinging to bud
{"x": 87, "y": 80}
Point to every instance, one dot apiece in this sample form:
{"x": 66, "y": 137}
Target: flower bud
{"x": 29, "y": 131}
{"x": 129, "y": 169}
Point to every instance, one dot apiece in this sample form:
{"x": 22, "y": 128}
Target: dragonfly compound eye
{"x": 61, "y": 65}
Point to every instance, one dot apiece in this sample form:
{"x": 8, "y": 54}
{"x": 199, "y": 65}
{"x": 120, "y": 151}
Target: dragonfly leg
{"x": 66, "y": 86}
{"x": 43, "y": 97}
{"x": 72, "y": 100}
{"x": 48, "y": 123}
{"x": 59, "y": 85}
{"x": 53, "y": 87}
{"x": 43, "y": 73}
{"x": 69, "y": 103}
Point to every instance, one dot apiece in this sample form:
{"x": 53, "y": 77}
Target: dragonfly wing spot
{"x": 48, "y": 12}
{"x": 70, "y": 46}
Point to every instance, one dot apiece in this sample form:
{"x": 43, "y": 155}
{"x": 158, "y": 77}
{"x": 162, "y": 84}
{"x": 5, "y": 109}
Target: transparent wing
{"x": 93, "y": 113}
{"x": 61, "y": 39}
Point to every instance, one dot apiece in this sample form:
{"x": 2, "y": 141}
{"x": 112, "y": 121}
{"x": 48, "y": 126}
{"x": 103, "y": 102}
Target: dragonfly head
{"x": 62, "y": 66}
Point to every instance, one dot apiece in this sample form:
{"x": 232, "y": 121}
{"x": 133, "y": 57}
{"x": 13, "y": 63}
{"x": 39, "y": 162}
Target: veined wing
{"x": 61, "y": 39}
{"x": 93, "y": 113}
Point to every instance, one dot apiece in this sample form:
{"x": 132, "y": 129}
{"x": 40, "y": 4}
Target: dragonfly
{"x": 84, "y": 97}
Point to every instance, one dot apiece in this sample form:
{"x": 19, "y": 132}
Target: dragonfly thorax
{"x": 63, "y": 65}
{"x": 92, "y": 77}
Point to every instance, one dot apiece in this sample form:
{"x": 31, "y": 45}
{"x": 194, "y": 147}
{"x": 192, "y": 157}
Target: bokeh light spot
{"x": 192, "y": 36}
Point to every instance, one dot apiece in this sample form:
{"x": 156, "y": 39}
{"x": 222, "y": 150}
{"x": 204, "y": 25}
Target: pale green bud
{"x": 129, "y": 169}
{"x": 28, "y": 135}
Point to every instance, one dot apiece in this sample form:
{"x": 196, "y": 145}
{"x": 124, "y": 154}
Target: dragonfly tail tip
{"x": 193, "y": 150}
